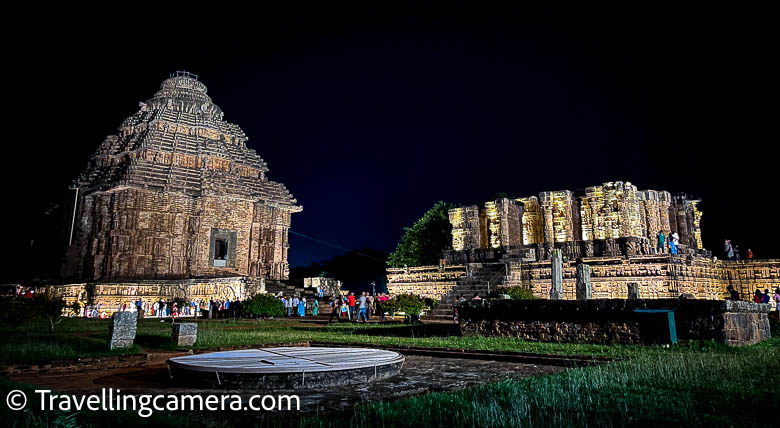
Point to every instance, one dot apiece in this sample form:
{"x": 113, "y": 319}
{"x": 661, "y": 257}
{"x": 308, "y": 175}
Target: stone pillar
{"x": 122, "y": 330}
{"x": 184, "y": 334}
{"x": 584, "y": 288}
{"x": 556, "y": 292}
{"x": 633, "y": 290}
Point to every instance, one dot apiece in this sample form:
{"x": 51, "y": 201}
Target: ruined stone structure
{"x": 176, "y": 193}
{"x": 609, "y": 230}
{"x": 330, "y": 286}
{"x": 606, "y": 220}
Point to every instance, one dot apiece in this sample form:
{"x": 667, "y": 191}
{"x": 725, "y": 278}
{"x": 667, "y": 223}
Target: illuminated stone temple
{"x": 606, "y": 220}
{"x": 176, "y": 200}
{"x": 611, "y": 227}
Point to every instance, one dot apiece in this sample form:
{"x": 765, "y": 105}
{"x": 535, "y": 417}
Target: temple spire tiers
{"x": 176, "y": 193}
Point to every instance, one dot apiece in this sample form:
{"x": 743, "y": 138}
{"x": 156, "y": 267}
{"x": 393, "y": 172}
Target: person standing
{"x": 758, "y": 297}
{"x": 661, "y": 246}
{"x": 156, "y": 309}
{"x": 371, "y": 302}
{"x": 295, "y": 302}
{"x": 362, "y": 307}
{"x": 335, "y": 309}
{"x": 733, "y": 295}
{"x": 728, "y": 249}
{"x": 777, "y": 299}
{"x": 302, "y": 307}
{"x": 672, "y": 243}
{"x": 749, "y": 254}
{"x": 351, "y": 301}
{"x": 344, "y": 310}
{"x": 315, "y": 306}
{"x": 765, "y": 298}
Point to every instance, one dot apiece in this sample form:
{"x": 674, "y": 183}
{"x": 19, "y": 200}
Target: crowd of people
{"x": 220, "y": 308}
{"x": 731, "y": 251}
{"x": 343, "y": 307}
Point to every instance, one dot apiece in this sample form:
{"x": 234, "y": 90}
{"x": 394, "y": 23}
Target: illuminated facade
{"x": 598, "y": 220}
{"x": 175, "y": 194}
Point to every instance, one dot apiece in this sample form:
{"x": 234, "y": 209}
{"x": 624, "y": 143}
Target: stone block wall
{"x": 427, "y": 281}
{"x": 608, "y": 321}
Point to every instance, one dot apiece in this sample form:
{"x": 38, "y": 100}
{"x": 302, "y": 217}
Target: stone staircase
{"x": 482, "y": 279}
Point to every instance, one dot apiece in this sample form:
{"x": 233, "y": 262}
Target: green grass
{"x": 706, "y": 388}
{"x": 699, "y": 383}
{"x": 89, "y": 338}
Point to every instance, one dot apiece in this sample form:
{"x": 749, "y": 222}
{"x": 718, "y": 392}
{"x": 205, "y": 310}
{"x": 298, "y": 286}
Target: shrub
{"x": 517, "y": 293}
{"x": 409, "y": 304}
{"x": 263, "y": 305}
{"x": 15, "y": 311}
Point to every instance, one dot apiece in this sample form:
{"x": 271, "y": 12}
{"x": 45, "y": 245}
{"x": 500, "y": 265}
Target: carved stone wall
{"x": 110, "y": 296}
{"x": 468, "y": 228}
{"x": 611, "y": 210}
{"x": 558, "y": 211}
{"x": 657, "y": 277}
{"x": 593, "y": 216}
{"x": 532, "y": 220}
{"x": 504, "y": 219}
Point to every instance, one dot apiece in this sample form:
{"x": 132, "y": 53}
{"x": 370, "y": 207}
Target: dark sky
{"x": 370, "y": 117}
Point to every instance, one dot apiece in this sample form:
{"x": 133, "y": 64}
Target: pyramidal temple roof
{"x": 178, "y": 142}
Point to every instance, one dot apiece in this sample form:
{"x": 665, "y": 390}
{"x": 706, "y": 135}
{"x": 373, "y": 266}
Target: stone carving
{"x": 184, "y": 334}
{"x": 122, "y": 330}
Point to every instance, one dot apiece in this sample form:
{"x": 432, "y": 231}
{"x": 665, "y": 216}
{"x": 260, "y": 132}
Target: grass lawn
{"x": 701, "y": 383}
{"x": 707, "y": 388}
{"x": 78, "y": 337}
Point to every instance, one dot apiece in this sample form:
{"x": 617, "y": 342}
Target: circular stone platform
{"x": 286, "y": 368}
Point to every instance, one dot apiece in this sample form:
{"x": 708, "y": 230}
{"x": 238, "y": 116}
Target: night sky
{"x": 371, "y": 117}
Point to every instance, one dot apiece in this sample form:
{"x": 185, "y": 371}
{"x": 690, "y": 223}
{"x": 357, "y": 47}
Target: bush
{"x": 516, "y": 293}
{"x": 15, "y": 311}
{"x": 409, "y": 304}
{"x": 263, "y": 305}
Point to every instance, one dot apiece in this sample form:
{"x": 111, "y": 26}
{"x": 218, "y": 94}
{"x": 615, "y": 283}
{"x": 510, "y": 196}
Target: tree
{"x": 51, "y": 308}
{"x": 426, "y": 241}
